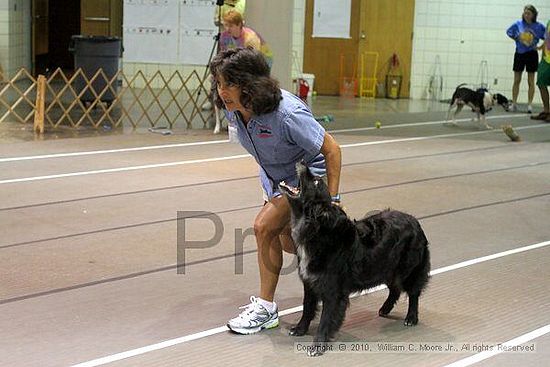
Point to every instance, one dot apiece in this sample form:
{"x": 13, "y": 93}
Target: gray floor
{"x": 89, "y": 242}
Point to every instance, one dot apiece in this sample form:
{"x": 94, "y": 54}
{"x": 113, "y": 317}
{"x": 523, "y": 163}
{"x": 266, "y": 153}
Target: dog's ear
{"x": 366, "y": 231}
{"x": 362, "y": 228}
{"x": 323, "y": 216}
{"x": 340, "y": 220}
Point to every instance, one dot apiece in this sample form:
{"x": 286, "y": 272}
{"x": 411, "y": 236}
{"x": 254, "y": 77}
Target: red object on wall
{"x": 394, "y": 64}
{"x": 303, "y": 88}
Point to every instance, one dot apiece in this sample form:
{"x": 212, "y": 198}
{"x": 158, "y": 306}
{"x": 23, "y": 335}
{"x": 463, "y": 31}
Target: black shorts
{"x": 528, "y": 60}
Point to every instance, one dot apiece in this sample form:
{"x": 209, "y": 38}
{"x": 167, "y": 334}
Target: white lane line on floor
{"x": 488, "y": 257}
{"x": 522, "y": 339}
{"x": 394, "y": 126}
{"x": 199, "y": 143}
{"x": 151, "y": 348}
{"x": 435, "y": 136}
{"x": 240, "y": 156}
{"x": 124, "y": 169}
{"x": 108, "y": 151}
{"x": 221, "y": 329}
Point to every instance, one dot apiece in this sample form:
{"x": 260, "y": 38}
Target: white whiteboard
{"x": 168, "y": 31}
{"x": 331, "y": 20}
{"x": 150, "y": 44}
{"x": 151, "y": 13}
{"x": 197, "y": 31}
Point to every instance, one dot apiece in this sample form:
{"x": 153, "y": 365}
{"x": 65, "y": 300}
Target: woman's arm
{"x": 513, "y": 32}
{"x": 539, "y": 33}
{"x": 333, "y": 159}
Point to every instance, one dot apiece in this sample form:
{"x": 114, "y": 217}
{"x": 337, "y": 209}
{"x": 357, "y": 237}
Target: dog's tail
{"x": 418, "y": 278}
{"x": 453, "y": 100}
{"x": 458, "y": 87}
{"x": 456, "y": 91}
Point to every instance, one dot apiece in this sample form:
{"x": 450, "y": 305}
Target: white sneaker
{"x": 529, "y": 109}
{"x": 514, "y": 107}
{"x": 206, "y": 106}
{"x": 254, "y": 318}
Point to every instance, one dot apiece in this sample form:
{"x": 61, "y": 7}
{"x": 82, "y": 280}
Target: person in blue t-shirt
{"x": 278, "y": 130}
{"x": 527, "y": 33}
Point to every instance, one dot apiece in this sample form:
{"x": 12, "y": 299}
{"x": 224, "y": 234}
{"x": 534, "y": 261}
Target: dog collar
{"x": 335, "y": 198}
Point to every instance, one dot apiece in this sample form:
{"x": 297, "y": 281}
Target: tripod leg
{"x": 218, "y": 126}
{"x": 215, "y": 47}
{"x": 196, "y": 107}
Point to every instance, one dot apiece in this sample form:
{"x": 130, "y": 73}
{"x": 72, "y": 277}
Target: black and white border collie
{"x": 338, "y": 256}
{"x": 480, "y": 101}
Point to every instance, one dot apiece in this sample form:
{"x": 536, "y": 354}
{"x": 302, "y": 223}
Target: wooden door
{"x": 387, "y": 27}
{"x": 322, "y": 55}
{"x": 383, "y": 26}
{"x": 96, "y": 17}
{"x": 39, "y": 28}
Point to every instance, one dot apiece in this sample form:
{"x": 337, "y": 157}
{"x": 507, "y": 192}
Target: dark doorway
{"x": 64, "y": 21}
{"x": 55, "y": 21}
{"x": 40, "y": 24}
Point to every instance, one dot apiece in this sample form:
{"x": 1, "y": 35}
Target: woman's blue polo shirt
{"x": 280, "y": 139}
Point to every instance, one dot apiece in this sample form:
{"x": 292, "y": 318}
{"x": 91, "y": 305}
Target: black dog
{"x": 481, "y": 102}
{"x": 338, "y": 256}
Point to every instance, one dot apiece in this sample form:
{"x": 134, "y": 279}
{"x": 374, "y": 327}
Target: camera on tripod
{"x": 218, "y": 22}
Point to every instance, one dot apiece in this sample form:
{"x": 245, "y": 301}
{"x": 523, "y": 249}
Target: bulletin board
{"x": 168, "y": 31}
{"x": 197, "y": 31}
{"x": 331, "y": 20}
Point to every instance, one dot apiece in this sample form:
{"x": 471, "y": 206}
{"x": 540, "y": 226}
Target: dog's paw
{"x": 316, "y": 349}
{"x": 411, "y": 320}
{"x": 314, "y": 353}
{"x": 297, "y": 331}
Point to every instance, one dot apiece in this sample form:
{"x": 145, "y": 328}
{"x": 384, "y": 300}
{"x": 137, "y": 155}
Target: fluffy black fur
{"x": 480, "y": 101}
{"x": 338, "y": 256}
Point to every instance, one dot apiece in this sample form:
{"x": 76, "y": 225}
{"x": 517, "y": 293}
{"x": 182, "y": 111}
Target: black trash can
{"x": 90, "y": 54}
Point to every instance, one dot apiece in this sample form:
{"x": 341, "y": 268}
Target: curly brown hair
{"x": 247, "y": 69}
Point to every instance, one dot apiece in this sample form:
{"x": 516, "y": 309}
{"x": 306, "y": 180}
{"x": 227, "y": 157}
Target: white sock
{"x": 270, "y": 306}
